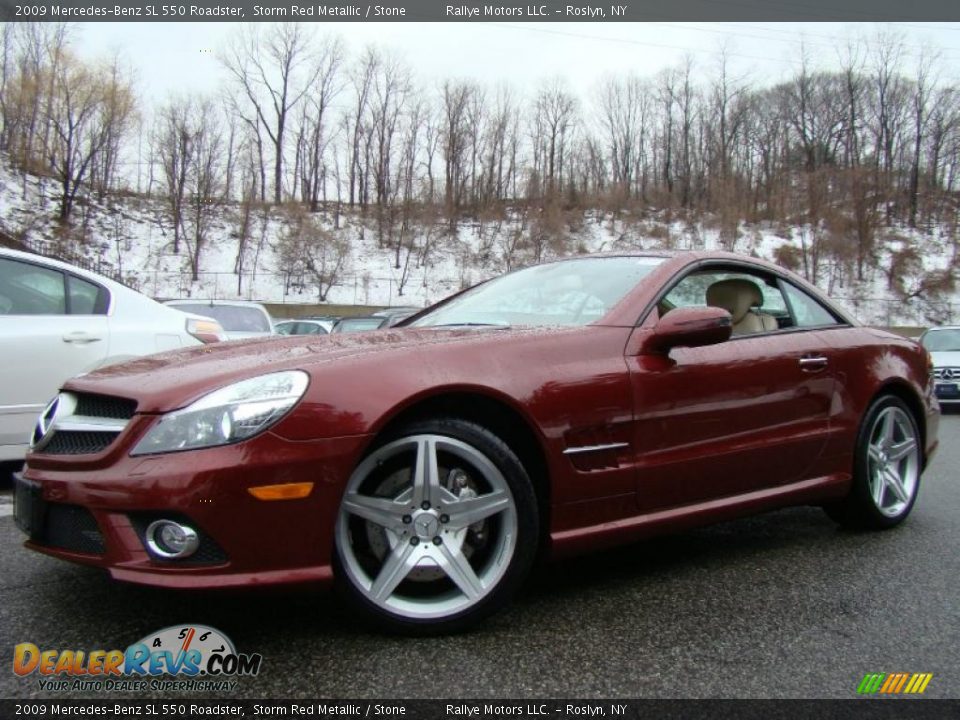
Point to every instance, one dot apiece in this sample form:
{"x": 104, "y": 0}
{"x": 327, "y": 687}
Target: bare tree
{"x": 622, "y": 107}
{"x": 118, "y": 119}
{"x": 83, "y": 118}
{"x": 190, "y": 142}
{"x": 890, "y": 109}
{"x": 555, "y": 115}
{"x": 39, "y": 49}
{"x": 6, "y": 82}
{"x": 362, "y": 78}
{"x": 455, "y": 141}
{"x": 274, "y": 70}
{"x": 204, "y": 178}
{"x": 922, "y": 86}
{"x": 315, "y": 125}
{"x": 174, "y": 144}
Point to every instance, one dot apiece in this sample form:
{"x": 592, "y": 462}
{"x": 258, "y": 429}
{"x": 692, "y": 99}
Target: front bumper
{"x": 947, "y": 392}
{"x": 93, "y": 510}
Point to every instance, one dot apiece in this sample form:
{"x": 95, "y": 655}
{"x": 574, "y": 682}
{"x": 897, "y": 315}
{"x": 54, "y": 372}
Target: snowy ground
{"x": 131, "y": 237}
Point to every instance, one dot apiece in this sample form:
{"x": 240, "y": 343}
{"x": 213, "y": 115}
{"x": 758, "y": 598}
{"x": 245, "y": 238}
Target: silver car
{"x": 240, "y": 319}
{"x": 943, "y": 344}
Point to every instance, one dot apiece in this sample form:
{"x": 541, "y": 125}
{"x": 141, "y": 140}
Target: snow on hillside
{"x": 130, "y": 237}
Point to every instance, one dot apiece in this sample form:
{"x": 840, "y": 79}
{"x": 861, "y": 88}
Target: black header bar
{"x": 180, "y": 707}
{"x": 472, "y": 11}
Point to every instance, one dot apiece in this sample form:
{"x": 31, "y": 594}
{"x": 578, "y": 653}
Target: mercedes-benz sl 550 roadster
{"x": 424, "y": 468}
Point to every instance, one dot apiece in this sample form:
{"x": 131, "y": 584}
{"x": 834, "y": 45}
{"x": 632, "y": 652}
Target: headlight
{"x": 226, "y": 416}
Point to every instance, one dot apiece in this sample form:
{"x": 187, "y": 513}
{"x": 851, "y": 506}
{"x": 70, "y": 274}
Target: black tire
{"x": 349, "y": 583}
{"x": 859, "y": 509}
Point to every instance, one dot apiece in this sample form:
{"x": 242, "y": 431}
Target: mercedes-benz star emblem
{"x": 45, "y": 423}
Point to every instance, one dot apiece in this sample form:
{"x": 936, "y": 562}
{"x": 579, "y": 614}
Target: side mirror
{"x": 688, "y": 327}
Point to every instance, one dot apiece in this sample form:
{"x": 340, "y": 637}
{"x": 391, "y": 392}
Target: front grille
{"x": 81, "y": 423}
{"x": 67, "y": 442}
{"x": 208, "y": 551}
{"x": 104, "y": 406}
{"x": 71, "y": 527}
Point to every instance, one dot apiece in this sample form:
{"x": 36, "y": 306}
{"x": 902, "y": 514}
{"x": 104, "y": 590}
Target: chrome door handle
{"x": 812, "y": 364}
{"x": 81, "y": 338}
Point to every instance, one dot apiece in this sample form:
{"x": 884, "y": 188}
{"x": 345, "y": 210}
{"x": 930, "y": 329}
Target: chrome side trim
{"x": 594, "y": 448}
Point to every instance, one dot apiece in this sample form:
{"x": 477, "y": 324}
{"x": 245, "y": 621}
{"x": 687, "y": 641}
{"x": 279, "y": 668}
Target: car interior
{"x": 743, "y": 300}
{"x": 756, "y": 303}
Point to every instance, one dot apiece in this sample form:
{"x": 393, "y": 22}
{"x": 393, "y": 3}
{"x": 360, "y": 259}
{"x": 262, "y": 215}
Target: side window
{"x": 754, "y": 300}
{"x": 86, "y": 298}
{"x": 27, "y": 289}
{"x": 807, "y": 311}
{"x": 285, "y": 328}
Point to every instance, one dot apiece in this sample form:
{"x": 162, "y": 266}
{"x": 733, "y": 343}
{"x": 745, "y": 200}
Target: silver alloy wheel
{"x": 427, "y": 527}
{"x": 893, "y": 461}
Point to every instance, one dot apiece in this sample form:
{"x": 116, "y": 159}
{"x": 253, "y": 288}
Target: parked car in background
{"x": 57, "y": 321}
{"x": 300, "y": 327}
{"x": 359, "y": 324}
{"x": 239, "y": 318}
{"x": 561, "y": 408}
{"x": 943, "y": 344}
{"x": 396, "y": 314}
{"x": 328, "y": 321}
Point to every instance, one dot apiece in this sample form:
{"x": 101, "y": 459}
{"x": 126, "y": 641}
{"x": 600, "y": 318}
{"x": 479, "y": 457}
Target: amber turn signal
{"x": 287, "y": 491}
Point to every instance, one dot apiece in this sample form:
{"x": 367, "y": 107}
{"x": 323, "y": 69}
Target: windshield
{"x": 233, "y": 318}
{"x": 568, "y": 292}
{"x": 941, "y": 340}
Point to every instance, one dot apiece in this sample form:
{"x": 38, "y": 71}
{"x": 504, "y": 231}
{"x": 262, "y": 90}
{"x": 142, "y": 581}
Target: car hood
{"x": 946, "y": 358}
{"x": 171, "y": 380}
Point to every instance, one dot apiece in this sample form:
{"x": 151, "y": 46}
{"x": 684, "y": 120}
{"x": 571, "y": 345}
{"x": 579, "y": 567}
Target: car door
{"x": 732, "y": 418}
{"x": 53, "y": 326}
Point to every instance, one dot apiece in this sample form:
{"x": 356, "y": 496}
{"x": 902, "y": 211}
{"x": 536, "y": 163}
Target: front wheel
{"x": 887, "y": 467}
{"x": 437, "y": 527}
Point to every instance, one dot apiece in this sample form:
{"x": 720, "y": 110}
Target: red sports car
{"x": 560, "y": 408}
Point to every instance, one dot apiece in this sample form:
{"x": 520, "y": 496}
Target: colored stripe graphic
{"x": 894, "y": 683}
{"x": 870, "y": 683}
{"x": 927, "y": 677}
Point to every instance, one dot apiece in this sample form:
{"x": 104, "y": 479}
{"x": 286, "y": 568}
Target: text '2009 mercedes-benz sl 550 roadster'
{"x": 560, "y": 408}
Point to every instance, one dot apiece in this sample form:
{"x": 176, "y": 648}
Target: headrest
{"x": 736, "y": 296}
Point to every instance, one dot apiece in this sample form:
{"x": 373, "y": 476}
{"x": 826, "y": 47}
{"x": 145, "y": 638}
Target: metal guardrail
{"x": 55, "y": 251}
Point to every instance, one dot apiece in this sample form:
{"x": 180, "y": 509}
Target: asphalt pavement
{"x": 780, "y": 605}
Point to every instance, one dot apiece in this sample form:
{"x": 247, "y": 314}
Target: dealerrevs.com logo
{"x": 200, "y": 657}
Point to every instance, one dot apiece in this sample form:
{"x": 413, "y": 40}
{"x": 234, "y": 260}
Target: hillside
{"x": 341, "y": 259}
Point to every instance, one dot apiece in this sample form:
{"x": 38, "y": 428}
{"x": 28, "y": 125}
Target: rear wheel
{"x": 437, "y": 528}
{"x": 886, "y": 469}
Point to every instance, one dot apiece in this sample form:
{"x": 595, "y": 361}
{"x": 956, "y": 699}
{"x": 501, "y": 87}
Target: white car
{"x": 943, "y": 344}
{"x": 240, "y": 319}
{"x": 58, "y": 321}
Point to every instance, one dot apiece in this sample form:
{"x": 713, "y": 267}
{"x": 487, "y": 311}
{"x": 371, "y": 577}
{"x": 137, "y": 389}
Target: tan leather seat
{"x": 738, "y": 297}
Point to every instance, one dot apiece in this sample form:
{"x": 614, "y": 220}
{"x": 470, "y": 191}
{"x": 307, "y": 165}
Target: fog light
{"x": 171, "y": 540}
